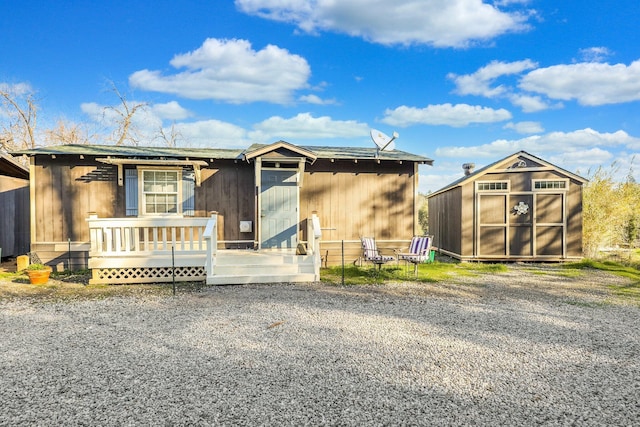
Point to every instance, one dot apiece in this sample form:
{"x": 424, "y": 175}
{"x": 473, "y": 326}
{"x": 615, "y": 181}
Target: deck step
{"x": 257, "y": 269}
{"x": 221, "y": 279}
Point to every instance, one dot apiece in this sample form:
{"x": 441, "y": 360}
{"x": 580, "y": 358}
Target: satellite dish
{"x": 383, "y": 141}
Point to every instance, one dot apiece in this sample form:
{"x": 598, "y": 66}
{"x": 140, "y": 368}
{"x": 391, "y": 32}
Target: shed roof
{"x": 9, "y": 167}
{"x": 337, "y": 153}
{"x": 496, "y": 166}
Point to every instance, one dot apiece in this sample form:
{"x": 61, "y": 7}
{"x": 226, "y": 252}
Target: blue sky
{"x": 459, "y": 80}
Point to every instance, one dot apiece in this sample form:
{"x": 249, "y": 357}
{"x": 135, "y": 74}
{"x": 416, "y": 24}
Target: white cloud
{"x": 211, "y": 133}
{"x": 580, "y": 152}
{"x": 315, "y": 99}
{"x": 230, "y": 71}
{"x": 589, "y": 83}
{"x": 96, "y": 112}
{"x": 595, "y": 54}
{"x": 479, "y": 83}
{"x": 553, "y": 142}
{"x": 170, "y": 111}
{"x": 525, "y": 127}
{"x": 17, "y": 89}
{"x": 530, "y": 103}
{"x": 444, "y": 114}
{"x": 305, "y": 126}
{"x": 441, "y": 174}
{"x": 439, "y": 23}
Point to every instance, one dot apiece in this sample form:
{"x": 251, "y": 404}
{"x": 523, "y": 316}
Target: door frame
{"x": 296, "y": 164}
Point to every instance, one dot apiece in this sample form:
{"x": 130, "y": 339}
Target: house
{"x": 262, "y": 198}
{"x": 520, "y": 208}
{"x": 14, "y": 207}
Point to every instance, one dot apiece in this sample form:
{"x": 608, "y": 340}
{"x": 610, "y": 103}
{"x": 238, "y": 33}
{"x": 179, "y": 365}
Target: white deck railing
{"x": 314, "y": 234}
{"x": 211, "y": 237}
{"x": 138, "y": 250}
{"x": 146, "y": 236}
{"x": 120, "y": 248}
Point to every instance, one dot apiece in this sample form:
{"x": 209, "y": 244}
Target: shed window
{"x": 159, "y": 192}
{"x": 493, "y": 186}
{"x": 546, "y": 184}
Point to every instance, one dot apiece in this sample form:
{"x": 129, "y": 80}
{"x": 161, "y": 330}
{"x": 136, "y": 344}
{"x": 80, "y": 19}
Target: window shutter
{"x": 131, "y": 191}
{"x": 188, "y": 193}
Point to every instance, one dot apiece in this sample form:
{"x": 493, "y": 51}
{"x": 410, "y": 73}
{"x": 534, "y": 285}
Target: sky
{"x": 459, "y": 80}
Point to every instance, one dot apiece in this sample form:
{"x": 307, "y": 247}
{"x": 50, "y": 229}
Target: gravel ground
{"x": 507, "y": 349}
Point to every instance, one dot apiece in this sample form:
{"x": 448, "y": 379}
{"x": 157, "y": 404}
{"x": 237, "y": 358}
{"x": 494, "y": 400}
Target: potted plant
{"x": 38, "y": 273}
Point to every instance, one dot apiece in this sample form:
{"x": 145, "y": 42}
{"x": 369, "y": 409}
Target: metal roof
{"x": 134, "y": 151}
{"x": 490, "y": 167}
{"x": 349, "y": 153}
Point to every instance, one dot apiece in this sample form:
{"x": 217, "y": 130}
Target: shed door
{"x": 492, "y": 225}
{"x": 533, "y": 225}
{"x": 279, "y": 209}
{"x": 521, "y": 225}
{"x": 549, "y": 224}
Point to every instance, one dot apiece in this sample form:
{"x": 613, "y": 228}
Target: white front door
{"x": 279, "y": 209}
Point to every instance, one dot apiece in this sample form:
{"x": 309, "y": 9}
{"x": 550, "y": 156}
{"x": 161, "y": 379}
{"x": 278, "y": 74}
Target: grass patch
{"x": 429, "y": 273}
{"x": 629, "y": 291}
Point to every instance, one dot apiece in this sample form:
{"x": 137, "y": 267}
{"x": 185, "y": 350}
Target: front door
{"x": 279, "y": 209}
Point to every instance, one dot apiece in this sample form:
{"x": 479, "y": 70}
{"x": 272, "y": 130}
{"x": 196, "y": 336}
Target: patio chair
{"x": 419, "y": 252}
{"x": 371, "y": 253}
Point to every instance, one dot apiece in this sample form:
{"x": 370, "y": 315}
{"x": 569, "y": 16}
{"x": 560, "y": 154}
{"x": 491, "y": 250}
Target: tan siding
{"x": 445, "y": 219}
{"x": 228, "y": 189}
{"x": 359, "y": 199}
{"x": 465, "y": 210}
{"x": 65, "y": 194}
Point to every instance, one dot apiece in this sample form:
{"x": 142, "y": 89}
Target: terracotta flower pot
{"x": 39, "y": 277}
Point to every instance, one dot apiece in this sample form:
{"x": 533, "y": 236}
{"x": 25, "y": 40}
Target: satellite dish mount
{"x": 383, "y": 142}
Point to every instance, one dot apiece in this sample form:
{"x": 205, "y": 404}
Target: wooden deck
{"x": 152, "y": 250}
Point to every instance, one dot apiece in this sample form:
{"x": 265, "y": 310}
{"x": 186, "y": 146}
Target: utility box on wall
{"x": 246, "y": 226}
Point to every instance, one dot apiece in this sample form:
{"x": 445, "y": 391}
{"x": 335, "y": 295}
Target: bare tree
{"x": 18, "y": 116}
{"x": 171, "y": 137}
{"x": 67, "y": 132}
{"x": 123, "y": 114}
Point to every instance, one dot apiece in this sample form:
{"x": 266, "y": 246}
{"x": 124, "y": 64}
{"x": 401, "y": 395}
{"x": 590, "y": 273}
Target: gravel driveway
{"x": 508, "y": 349}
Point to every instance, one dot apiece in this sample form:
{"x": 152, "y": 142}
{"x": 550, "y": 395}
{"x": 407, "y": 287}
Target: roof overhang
{"x": 119, "y": 162}
{"x": 9, "y": 167}
{"x": 263, "y": 151}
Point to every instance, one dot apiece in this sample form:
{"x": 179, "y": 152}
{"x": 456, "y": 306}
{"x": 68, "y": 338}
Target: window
{"x": 493, "y": 186}
{"x": 548, "y": 184}
{"x": 159, "y": 192}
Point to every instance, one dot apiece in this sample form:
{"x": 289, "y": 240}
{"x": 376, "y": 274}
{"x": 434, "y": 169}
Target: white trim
{"x": 142, "y": 205}
{"x": 550, "y": 190}
{"x": 495, "y": 190}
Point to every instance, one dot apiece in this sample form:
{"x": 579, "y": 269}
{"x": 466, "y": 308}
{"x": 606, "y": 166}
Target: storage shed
{"x": 14, "y": 207}
{"x": 520, "y": 208}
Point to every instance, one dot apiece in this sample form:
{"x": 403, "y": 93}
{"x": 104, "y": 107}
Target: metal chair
{"x": 419, "y": 251}
{"x": 371, "y": 253}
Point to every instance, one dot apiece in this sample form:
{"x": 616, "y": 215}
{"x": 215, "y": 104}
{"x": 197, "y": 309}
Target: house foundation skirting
{"x": 147, "y": 275}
